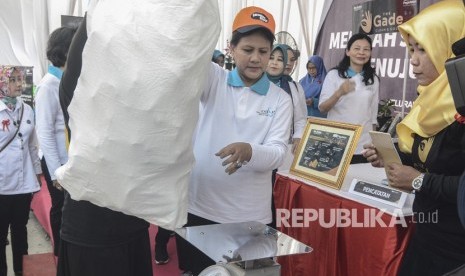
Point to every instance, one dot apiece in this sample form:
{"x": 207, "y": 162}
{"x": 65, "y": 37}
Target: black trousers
{"x": 128, "y": 259}
{"x": 57, "y": 198}
{"x": 273, "y": 207}
{"x": 14, "y": 214}
{"x": 163, "y": 236}
{"x": 189, "y": 257}
{"x": 423, "y": 261}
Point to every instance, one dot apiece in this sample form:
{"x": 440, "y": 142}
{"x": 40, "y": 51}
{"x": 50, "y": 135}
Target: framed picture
{"x": 325, "y": 151}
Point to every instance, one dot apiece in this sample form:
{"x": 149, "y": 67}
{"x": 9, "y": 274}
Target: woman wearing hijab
{"x": 432, "y": 144}
{"x": 312, "y": 84}
{"x": 19, "y": 166}
{"x": 276, "y": 73}
{"x": 218, "y": 58}
{"x": 276, "y": 65}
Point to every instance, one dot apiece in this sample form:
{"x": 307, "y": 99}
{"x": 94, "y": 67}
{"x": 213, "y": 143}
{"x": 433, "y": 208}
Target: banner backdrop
{"x": 376, "y": 17}
{"x": 379, "y": 18}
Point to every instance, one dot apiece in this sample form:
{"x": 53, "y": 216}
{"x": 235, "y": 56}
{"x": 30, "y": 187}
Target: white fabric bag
{"x": 136, "y": 105}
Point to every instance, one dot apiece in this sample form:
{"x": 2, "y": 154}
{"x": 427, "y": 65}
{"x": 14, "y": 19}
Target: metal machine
{"x": 245, "y": 249}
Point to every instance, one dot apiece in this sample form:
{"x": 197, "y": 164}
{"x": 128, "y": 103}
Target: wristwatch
{"x": 418, "y": 182}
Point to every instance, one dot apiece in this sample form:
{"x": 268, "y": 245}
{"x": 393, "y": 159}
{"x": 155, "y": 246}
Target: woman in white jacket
{"x": 20, "y": 166}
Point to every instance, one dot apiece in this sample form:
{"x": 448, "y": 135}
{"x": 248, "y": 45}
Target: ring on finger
{"x": 238, "y": 164}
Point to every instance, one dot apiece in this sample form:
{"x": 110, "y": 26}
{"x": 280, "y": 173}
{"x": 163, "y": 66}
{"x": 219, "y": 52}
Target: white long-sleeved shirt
{"x": 50, "y": 124}
{"x": 358, "y": 107}
{"x": 19, "y": 161}
{"x": 238, "y": 114}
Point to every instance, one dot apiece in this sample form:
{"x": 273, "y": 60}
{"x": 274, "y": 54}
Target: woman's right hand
{"x": 346, "y": 87}
{"x": 238, "y": 155}
{"x": 57, "y": 185}
{"x": 371, "y": 154}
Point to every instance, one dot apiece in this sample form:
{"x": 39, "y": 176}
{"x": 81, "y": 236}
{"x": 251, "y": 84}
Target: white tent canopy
{"x": 26, "y": 24}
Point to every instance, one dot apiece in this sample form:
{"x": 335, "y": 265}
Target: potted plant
{"x": 385, "y": 109}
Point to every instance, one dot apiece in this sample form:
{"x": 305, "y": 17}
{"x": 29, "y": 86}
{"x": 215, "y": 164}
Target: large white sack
{"x": 136, "y": 105}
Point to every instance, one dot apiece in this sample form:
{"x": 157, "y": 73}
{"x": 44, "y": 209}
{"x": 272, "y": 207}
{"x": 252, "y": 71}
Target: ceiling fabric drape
{"x": 23, "y": 31}
{"x": 25, "y": 26}
{"x": 305, "y": 24}
{"x": 71, "y": 6}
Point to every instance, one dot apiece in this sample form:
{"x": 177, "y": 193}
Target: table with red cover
{"x": 376, "y": 249}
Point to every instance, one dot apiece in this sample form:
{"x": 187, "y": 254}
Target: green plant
{"x": 385, "y": 108}
{"x": 384, "y": 118}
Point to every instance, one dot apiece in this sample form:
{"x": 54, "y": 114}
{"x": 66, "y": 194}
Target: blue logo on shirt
{"x": 266, "y": 112}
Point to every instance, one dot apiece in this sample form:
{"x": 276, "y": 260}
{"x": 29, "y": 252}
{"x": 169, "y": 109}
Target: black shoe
{"x": 161, "y": 255}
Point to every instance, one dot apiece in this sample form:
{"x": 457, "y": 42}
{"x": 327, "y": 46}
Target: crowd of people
{"x": 250, "y": 118}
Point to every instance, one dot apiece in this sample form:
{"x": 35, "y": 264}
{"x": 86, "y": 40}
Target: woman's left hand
{"x": 401, "y": 176}
{"x": 238, "y": 155}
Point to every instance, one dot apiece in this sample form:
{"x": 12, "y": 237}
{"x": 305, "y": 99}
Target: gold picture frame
{"x": 325, "y": 151}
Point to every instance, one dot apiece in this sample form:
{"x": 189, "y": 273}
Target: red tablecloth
{"x": 40, "y": 205}
{"x": 339, "y": 250}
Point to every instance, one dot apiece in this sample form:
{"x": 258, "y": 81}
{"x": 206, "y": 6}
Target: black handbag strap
{"x": 17, "y": 129}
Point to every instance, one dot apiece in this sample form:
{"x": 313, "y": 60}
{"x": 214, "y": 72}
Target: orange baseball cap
{"x": 251, "y": 18}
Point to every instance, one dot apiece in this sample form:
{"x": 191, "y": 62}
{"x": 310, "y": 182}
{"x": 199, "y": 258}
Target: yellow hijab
{"x": 435, "y": 28}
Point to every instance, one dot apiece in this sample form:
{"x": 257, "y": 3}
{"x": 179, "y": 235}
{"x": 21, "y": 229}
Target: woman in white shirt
{"x": 242, "y": 135}
{"x": 20, "y": 166}
{"x": 51, "y": 124}
{"x": 350, "y": 92}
